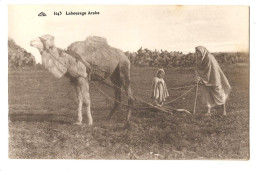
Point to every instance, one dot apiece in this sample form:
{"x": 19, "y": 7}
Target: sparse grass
{"x": 42, "y": 110}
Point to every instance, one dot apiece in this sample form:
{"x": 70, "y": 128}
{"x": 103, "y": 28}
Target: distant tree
{"x": 163, "y": 58}
{"x": 19, "y": 57}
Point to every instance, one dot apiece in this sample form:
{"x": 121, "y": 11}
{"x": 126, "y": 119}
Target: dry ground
{"x": 42, "y": 110}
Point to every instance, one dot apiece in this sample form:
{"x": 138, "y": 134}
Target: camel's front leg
{"x": 80, "y": 103}
{"x": 84, "y": 87}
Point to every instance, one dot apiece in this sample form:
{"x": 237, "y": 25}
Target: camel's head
{"x": 37, "y": 43}
{"x": 43, "y": 43}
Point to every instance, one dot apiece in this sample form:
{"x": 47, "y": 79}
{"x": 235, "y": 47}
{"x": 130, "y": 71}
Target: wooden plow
{"x": 163, "y": 108}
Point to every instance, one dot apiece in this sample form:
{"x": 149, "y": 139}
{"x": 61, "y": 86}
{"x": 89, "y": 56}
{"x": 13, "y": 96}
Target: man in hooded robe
{"x": 216, "y": 88}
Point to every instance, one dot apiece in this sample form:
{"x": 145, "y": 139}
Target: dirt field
{"x": 42, "y": 110}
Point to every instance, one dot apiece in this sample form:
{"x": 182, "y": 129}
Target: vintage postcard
{"x": 128, "y": 82}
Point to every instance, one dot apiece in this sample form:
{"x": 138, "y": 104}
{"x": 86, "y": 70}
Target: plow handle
{"x": 195, "y": 102}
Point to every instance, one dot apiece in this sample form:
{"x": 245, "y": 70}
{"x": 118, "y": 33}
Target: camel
{"x": 82, "y": 59}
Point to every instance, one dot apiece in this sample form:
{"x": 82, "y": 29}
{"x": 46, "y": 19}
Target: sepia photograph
{"x": 128, "y": 82}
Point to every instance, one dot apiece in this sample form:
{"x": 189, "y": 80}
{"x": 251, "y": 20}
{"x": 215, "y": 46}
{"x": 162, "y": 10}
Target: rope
{"x": 175, "y": 88}
{"x": 109, "y": 97}
{"x": 96, "y": 68}
{"x": 106, "y": 79}
{"x": 180, "y": 96}
{"x": 166, "y": 109}
{"x": 53, "y": 57}
{"x": 138, "y": 99}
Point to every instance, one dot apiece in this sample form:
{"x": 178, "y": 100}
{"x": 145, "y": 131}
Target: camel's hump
{"x": 91, "y": 43}
{"x": 96, "y": 41}
{"x": 95, "y": 50}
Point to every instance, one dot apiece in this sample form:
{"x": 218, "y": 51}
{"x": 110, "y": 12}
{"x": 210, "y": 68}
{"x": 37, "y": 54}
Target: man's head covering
{"x": 204, "y": 52}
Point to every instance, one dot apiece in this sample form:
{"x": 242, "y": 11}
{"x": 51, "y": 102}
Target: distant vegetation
{"x": 163, "y": 58}
{"x": 19, "y": 57}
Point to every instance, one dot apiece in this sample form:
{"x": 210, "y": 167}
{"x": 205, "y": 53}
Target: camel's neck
{"x": 53, "y": 62}
{"x": 59, "y": 63}
{"x": 40, "y": 50}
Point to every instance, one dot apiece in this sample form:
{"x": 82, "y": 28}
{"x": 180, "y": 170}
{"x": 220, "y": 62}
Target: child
{"x": 160, "y": 92}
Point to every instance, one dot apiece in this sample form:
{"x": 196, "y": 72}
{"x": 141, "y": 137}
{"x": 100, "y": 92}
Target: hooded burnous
{"x": 217, "y": 87}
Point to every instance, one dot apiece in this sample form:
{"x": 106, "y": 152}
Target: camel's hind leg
{"x": 125, "y": 74}
{"x": 115, "y": 79}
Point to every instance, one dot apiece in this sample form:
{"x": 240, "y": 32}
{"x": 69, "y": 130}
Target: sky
{"x": 129, "y": 27}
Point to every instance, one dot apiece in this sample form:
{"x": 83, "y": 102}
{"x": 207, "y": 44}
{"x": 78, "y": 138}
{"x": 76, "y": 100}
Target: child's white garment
{"x": 160, "y": 92}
